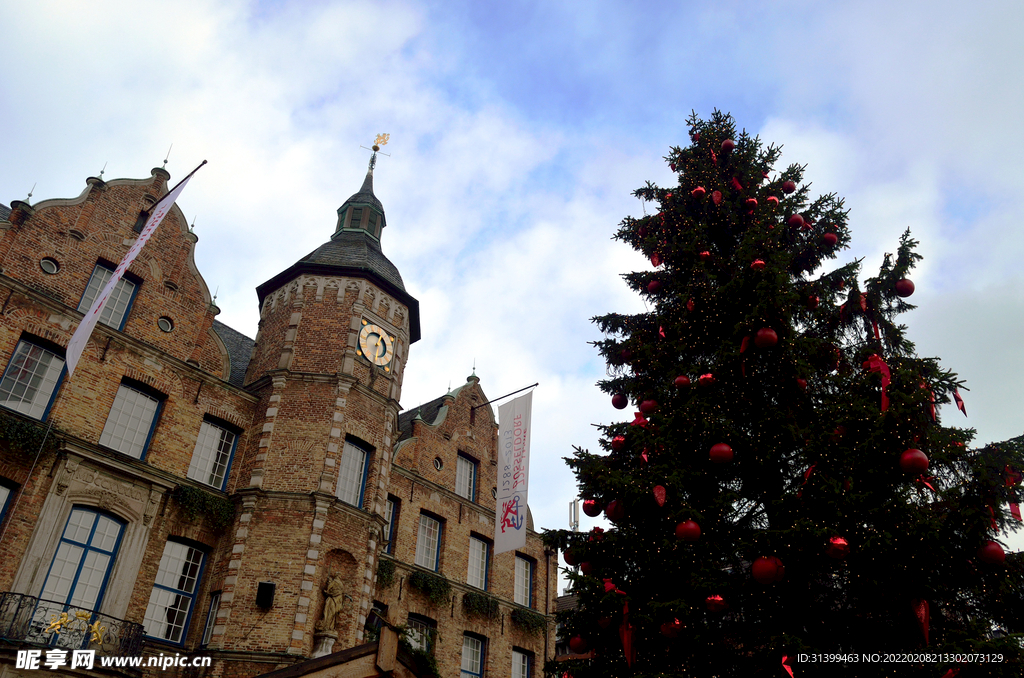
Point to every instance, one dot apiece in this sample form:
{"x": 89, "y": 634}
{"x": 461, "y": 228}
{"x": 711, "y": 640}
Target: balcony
{"x": 46, "y": 623}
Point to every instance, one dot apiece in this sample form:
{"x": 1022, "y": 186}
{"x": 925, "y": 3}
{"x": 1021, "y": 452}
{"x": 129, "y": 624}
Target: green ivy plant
{"x": 25, "y": 436}
{"x": 480, "y": 604}
{"x": 195, "y": 503}
{"x": 528, "y": 620}
{"x": 385, "y": 573}
{"x": 435, "y": 587}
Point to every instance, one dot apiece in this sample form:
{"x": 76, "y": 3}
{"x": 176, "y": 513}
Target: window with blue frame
{"x": 120, "y": 301}
{"x": 352, "y": 470}
{"x": 522, "y": 663}
{"x": 32, "y": 377}
{"x": 80, "y": 569}
{"x": 7, "y": 491}
{"x": 473, "y": 655}
{"x": 211, "y": 459}
{"x": 479, "y": 560}
{"x": 132, "y": 419}
{"x": 428, "y": 542}
{"x": 391, "y": 510}
{"x": 465, "y": 477}
{"x": 174, "y": 592}
{"x": 211, "y": 618}
{"x": 523, "y": 591}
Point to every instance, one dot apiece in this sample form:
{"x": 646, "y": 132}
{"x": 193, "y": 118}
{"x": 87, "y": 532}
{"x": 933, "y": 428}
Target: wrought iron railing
{"x": 28, "y": 619}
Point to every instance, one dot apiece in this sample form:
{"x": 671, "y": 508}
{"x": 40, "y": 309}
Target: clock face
{"x": 376, "y": 345}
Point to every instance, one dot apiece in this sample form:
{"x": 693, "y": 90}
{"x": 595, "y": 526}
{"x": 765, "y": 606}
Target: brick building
{"x": 260, "y": 502}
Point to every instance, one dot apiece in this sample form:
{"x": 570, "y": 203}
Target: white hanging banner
{"x": 81, "y": 336}
{"x": 513, "y": 474}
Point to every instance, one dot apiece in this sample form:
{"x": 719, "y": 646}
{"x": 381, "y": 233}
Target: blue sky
{"x": 518, "y": 131}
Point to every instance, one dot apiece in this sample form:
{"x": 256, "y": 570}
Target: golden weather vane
{"x": 381, "y": 140}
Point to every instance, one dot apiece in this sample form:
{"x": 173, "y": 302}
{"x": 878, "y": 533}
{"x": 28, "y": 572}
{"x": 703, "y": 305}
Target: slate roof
{"x": 239, "y": 351}
{"x": 355, "y": 250}
{"x": 365, "y": 195}
{"x": 428, "y": 411}
{"x": 5, "y": 211}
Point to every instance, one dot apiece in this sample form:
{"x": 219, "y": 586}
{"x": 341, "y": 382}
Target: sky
{"x": 518, "y": 132}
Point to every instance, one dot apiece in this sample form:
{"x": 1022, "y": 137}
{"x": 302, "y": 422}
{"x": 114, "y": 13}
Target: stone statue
{"x": 333, "y": 600}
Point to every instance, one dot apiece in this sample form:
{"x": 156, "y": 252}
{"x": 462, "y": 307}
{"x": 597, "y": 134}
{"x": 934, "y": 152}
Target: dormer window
{"x": 373, "y": 225}
{"x": 357, "y": 217}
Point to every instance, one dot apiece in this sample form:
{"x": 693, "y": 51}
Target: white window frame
{"x": 173, "y": 597}
{"x": 420, "y": 633}
{"x": 211, "y": 459}
{"x": 352, "y": 471}
{"x": 473, "y": 648}
{"x": 522, "y": 664}
{"x": 465, "y": 477}
{"x": 479, "y": 562}
{"x": 31, "y": 379}
{"x": 115, "y": 312}
{"x": 523, "y": 592}
{"x": 428, "y": 542}
{"x": 132, "y": 419}
{"x": 211, "y": 618}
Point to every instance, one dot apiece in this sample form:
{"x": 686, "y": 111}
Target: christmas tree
{"x": 784, "y": 501}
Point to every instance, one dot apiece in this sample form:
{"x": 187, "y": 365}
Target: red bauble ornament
{"x": 620, "y": 401}
{"x": 688, "y": 531}
{"x": 766, "y": 338}
{"x": 682, "y": 381}
{"x": 751, "y": 202}
{"x": 716, "y": 197}
{"x": 991, "y": 553}
{"x": 772, "y": 200}
{"x": 767, "y": 570}
{"x": 705, "y": 255}
{"x": 796, "y": 221}
{"x": 716, "y": 604}
{"x": 706, "y": 379}
{"x": 837, "y": 548}
{"x": 570, "y": 558}
{"x": 728, "y": 145}
{"x": 671, "y": 629}
{"x": 615, "y": 511}
{"x": 586, "y": 568}
{"x": 604, "y": 622}
{"x": 802, "y": 383}
{"x": 625, "y": 354}
{"x": 813, "y": 301}
{"x": 642, "y": 231}
{"x": 655, "y": 260}
{"x": 914, "y": 462}
{"x": 698, "y": 192}
{"x": 668, "y": 196}
{"x": 690, "y": 305}
{"x": 830, "y": 239}
{"x": 578, "y": 645}
{"x": 757, "y": 265}
{"x": 721, "y": 453}
{"x": 904, "y": 287}
{"x": 788, "y": 187}
{"x": 649, "y": 407}
{"x": 659, "y": 494}
{"x": 672, "y": 166}
{"x": 618, "y": 443}
{"x": 654, "y": 286}
{"x": 592, "y": 508}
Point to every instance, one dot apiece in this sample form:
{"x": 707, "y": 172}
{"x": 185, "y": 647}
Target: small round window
{"x": 494, "y": 492}
{"x": 438, "y": 464}
{"x": 165, "y": 323}
{"x": 49, "y": 266}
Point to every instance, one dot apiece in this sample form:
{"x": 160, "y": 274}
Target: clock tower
{"x": 334, "y": 336}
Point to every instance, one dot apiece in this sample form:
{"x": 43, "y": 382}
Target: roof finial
{"x": 166, "y": 156}
{"x": 102, "y": 171}
{"x": 381, "y": 140}
{"x": 31, "y": 192}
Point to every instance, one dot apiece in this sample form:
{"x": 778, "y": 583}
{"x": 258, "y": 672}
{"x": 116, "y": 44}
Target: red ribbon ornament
{"x": 925, "y": 481}
{"x": 874, "y": 363}
{"x": 920, "y": 608}
{"x": 807, "y": 474}
{"x": 959, "y": 402}
{"x": 952, "y": 673}
{"x": 1015, "y": 511}
{"x": 626, "y": 634}
{"x": 640, "y": 421}
{"x": 786, "y": 666}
